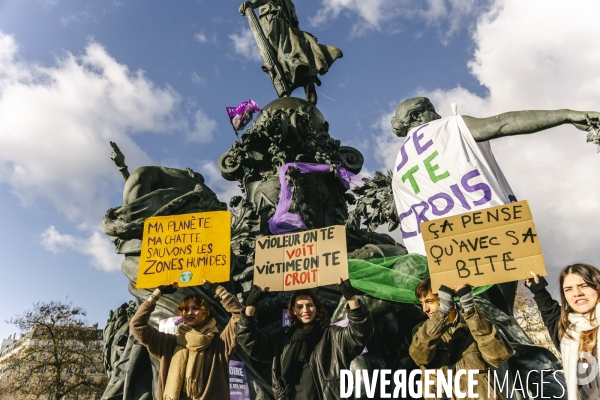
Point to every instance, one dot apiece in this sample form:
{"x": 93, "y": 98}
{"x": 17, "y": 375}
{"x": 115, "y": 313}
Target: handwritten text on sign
{"x": 494, "y": 245}
{"x": 301, "y": 260}
{"x": 185, "y": 248}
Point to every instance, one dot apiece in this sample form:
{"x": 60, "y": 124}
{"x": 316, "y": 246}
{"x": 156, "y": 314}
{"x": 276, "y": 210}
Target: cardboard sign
{"x": 185, "y": 248}
{"x": 494, "y": 245}
{"x": 301, "y": 260}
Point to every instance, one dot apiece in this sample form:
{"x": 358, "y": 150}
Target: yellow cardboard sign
{"x": 185, "y": 248}
{"x": 301, "y": 260}
{"x": 493, "y": 245}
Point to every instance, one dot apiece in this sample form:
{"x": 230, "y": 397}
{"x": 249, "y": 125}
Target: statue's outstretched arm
{"x": 523, "y": 122}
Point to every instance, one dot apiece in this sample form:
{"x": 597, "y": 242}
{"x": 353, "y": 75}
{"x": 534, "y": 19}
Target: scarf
{"x": 302, "y": 344}
{"x": 569, "y": 348}
{"x": 188, "y": 360}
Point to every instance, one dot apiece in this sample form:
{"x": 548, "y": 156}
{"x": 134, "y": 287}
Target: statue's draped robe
{"x": 298, "y": 52}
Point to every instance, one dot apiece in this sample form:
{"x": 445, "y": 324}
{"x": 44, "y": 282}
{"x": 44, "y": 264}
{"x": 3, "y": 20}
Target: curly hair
{"x": 402, "y": 118}
{"x": 322, "y": 315}
{"x": 200, "y": 302}
{"x": 591, "y": 276}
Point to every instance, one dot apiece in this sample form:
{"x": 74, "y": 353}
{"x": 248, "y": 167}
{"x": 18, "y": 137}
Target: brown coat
{"x": 216, "y": 361}
{"x": 471, "y": 342}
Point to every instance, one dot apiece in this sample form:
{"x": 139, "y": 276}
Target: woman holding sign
{"x": 194, "y": 364}
{"x": 308, "y": 355}
{"x": 574, "y": 326}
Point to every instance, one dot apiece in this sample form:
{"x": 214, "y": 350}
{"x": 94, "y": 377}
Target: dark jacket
{"x": 550, "y": 312}
{"x": 470, "y": 342}
{"x": 337, "y": 348}
{"x": 216, "y": 360}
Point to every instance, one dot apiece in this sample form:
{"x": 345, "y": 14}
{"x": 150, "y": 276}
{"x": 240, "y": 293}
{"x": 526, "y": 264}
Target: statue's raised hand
{"x": 244, "y": 5}
{"x": 117, "y": 156}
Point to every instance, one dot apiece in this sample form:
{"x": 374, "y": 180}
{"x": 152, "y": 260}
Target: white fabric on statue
{"x": 442, "y": 171}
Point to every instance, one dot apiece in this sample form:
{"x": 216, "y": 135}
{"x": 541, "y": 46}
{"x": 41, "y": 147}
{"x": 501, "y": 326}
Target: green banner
{"x": 392, "y": 278}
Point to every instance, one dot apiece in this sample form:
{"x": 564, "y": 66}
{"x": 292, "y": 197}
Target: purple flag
{"x": 240, "y": 116}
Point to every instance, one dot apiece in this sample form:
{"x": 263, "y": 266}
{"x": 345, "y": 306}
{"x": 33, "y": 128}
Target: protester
{"x": 307, "y": 356}
{"x": 573, "y": 327}
{"x": 194, "y": 364}
{"x": 450, "y": 340}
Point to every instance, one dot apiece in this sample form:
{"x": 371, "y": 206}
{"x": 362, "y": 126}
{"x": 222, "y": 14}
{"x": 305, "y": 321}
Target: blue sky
{"x": 155, "y": 77}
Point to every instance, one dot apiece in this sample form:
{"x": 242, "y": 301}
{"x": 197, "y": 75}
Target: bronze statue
{"x": 293, "y": 58}
{"x": 419, "y": 110}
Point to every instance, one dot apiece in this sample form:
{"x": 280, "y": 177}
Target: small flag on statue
{"x": 241, "y": 115}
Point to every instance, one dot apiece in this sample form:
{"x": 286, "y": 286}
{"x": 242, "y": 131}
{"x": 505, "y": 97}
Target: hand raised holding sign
{"x": 349, "y": 293}
{"x": 467, "y": 301}
{"x": 164, "y": 289}
{"x": 168, "y": 289}
{"x": 537, "y": 285}
{"x": 213, "y": 288}
{"x": 257, "y": 293}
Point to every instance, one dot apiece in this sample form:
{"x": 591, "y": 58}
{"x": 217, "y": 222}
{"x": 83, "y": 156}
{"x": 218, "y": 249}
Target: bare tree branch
{"x": 58, "y": 356}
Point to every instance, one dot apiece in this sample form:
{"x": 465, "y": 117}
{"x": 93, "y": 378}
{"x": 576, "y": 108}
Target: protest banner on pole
{"x": 493, "y": 245}
{"x": 442, "y": 171}
{"x": 185, "y": 248}
{"x": 238, "y": 381}
{"x": 301, "y": 260}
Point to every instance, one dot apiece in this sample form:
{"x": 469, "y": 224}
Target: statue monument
{"x": 292, "y": 58}
{"x": 291, "y": 143}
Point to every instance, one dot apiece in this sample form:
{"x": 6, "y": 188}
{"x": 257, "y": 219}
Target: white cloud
{"x": 81, "y": 16}
{"x": 224, "y": 190}
{"x": 447, "y": 15}
{"x": 244, "y": 44}
{"x": 49, "y": 3}
{"x": 198, "y": 79}
{"x": 96, "y": 246}
{"x": 56, "y": 123}
{"x": 201, "y": 37}
{"x": 54, "y": 120}
{"x": 387, "y": 143}
{"x": 372, "y": 14}
{"x": 530, "y": 58}
{"x": 203, "y": 128}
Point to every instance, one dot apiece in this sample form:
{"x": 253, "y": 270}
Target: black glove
{"x": 167, "y": 289}
{"x": 467, "y": 301}
{"x": 256, "y": 295}
{"x": 346, "y": 289}
{"x": 446, "y": 296}
{"x": 211, "y": 288}
{"x": 537, "y": 287}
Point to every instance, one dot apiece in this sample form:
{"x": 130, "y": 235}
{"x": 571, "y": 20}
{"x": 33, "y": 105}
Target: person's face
{"x": 430, "y": 304}
{"x": 580, "y": 296}
{"x": 305, "y": 309}
{"x": 193, "y": 315}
